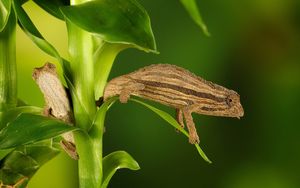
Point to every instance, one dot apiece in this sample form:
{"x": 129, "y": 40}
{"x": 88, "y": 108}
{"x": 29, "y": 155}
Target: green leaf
{"x": 30, "y": 128}
{"x": 115, "y": 21}
{"x": 168, "y": 118}
{"x": 11, "y": 114}
{"x": 5, "y": 6}
{"x": 22, "y": 163}
{"x": 104, "y": 58}
{"x": 4, "y": 152}
{"x": 21, "y": 103}
{"x": 80, "y": 109}
{"x": 192, "y": 9}
{"x": 30, "y": 29}
{"x": 115, "y": 161}
{"x": 33, "y": 33}
{"x": 52, "y": 7}
{"x": 98, "y": 122}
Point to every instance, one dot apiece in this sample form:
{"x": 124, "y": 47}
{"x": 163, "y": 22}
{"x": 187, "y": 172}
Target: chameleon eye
{"x": 229, "y": 101}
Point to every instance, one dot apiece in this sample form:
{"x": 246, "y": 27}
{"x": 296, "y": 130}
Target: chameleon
{"x": 57, "y": 102}
{"x": 178, "y": 88}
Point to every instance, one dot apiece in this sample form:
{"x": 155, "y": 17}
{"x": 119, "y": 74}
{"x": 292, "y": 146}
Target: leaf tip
{"x": 205, "y": 31}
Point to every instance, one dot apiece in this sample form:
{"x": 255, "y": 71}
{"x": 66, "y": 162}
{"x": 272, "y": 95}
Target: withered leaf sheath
{"x": 178, "y": 88}
{"x": 57, "y": 102}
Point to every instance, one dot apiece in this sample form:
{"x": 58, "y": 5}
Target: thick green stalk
{"x": 82, "y": 68}
{"x": 89, "y": 163}
{"x": 90, "y": 160}
{"x": 8, "y": 68}
{"x": 89, "y": 147}
{"x": 84, "y": 107}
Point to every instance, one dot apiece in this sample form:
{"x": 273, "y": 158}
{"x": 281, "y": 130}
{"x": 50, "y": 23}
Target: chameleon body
{"x": 178, "y": 88}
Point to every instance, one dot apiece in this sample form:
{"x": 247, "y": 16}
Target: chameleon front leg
{"x": 128, "y": 89}
{"x": 179, "y": 117}
{"x": 193, "y": 136}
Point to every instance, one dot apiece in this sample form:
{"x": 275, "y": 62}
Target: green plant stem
{"x": 104, "y": 58}
{"x": 89, "y": 163}
{"x": 90, "y": 160}
{"x": 8, "y": 68}
{"x": 82, "y": 68}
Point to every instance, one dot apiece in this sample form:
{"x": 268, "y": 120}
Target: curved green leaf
{"x": 192, "y": 9}
{"x": 21, "y": 103}
{"x": 33, "y": 33}
{"x": 5, "y": 6}
{"x": 168, "y": 118}
{"x": 52, "y": 7}
{"x": 22, "y": 163}
{"x": 30, "y": 128}
{"x": 98, "y": 122}
{"x": 80, "y": 108}
{"x": 12, "y": 113}
{"x": 115, "y": 161}
{"x": 4, "y": 153}
{"x": 104, "y": 58}
{"x": 30, "y": 29}
{"x": 116, "y": 21}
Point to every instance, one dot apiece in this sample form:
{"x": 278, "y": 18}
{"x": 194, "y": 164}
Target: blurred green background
{"x": 254, "y": 49}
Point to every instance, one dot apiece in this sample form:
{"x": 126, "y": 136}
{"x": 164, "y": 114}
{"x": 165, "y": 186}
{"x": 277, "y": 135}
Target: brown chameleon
{"x": 178, "y": 88}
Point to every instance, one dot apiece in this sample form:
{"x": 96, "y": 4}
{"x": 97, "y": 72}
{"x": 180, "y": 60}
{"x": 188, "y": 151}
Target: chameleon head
{"x": 114, "y": 87}
{"x": 228, "y": 106}
{"x": 235, "y": 108}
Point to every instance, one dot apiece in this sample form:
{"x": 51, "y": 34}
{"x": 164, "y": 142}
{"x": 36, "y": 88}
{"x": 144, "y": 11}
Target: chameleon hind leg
{"x": 128, "y": 89}
{"x": 193, "y": 136}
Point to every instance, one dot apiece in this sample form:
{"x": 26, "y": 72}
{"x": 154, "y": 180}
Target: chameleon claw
{"x": 194, "y": 139}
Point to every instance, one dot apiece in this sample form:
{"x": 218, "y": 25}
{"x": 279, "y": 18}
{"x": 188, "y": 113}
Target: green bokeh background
{"x": 254, "y": 49}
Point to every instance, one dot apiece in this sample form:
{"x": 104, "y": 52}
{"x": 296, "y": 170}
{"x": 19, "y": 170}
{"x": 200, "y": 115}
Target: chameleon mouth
{"x": 240, "y": 112}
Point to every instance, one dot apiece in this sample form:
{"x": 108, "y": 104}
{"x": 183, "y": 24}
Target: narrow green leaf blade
{"x": 30, "y": 128}
{"x": 168, "y": 118}
{"x": 33, "y": 33}
{"x": 4, "y": 152}
{"x": 22, "y": 163}
{"x": 115, "y": 161}
{"x": 104, "y": 58}
{"x": 116, "y": 21}
{"x": 192, "y": 9}
{"x": 52, "y": 7}
{"x": 5, "y": 6}
{"x": 98, "y": 122}
{"x": 13, "y": 113}
{"x": 21, "y": 103}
